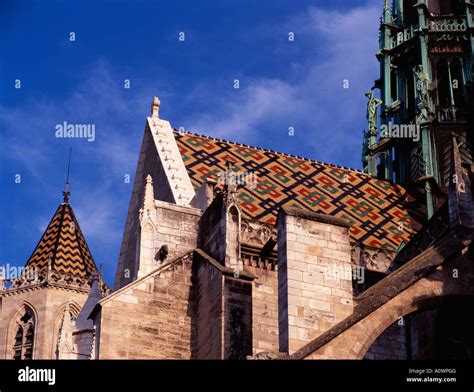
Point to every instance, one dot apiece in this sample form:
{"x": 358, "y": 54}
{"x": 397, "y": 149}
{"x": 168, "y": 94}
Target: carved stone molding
{"x": 378, "y": 260}
{"x": 50, "y": 278}
{"x": 256, "y": 233}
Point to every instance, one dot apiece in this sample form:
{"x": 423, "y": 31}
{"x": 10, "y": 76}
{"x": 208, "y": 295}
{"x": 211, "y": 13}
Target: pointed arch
{"x": 73, "y": 307}
{"x": 22, "y": 333}
{"x": 74, "y": 310}
{"x": 149, "y": 227}
{"x": 403, "y": 310}
{"x": 234, "y": 211}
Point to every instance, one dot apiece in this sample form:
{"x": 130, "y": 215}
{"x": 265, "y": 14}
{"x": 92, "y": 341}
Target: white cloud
{"x": 237, "y": 115}
{"x": 342, "y": 45}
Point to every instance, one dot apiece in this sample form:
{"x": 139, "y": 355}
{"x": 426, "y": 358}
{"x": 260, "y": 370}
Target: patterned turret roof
{"x": 63, "y": 246}
{"x": 377, "y": 210}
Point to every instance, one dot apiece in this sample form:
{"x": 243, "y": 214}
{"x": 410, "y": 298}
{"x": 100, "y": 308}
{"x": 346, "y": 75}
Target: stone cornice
{"x": 35, "y": 287}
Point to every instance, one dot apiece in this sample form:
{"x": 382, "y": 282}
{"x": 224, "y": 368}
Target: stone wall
{"x": 353, "y": 339}
{"x": 47, "y": 304}
{"x": 237, "y": 315}
{"x": 314, "y": 276}
{"x": 177, "y": 228}
{"x": 208, "y": 280}
{"x": 390, "y": 345}
{"x": 148, "y": 164}
{"x": 213, "y": 230}
{"x": 167, "y": 231}
{"x": 160, "y": 158}
{"x": 150, "y": 319}
{"x": 411, "y": 337}
{"x": 265, "y": 310}
{"x": 423, "y": 334}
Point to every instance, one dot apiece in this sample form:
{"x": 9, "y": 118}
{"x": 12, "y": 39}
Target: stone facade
{"x": 265, "y": 310}
{"x": 48, "y": 305}
{"x": 197, "y": 279}
{"x": 160, "y": 159}
{"x": 390, "y": 345}
{"x": 314, "y": 276}
{"x": 393, "y": 301}
{"x": 151, "y": 318}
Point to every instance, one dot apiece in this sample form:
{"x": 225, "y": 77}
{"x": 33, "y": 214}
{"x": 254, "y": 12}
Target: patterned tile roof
{"x": 64, "y": 246}
{"x": 376, "y": 209}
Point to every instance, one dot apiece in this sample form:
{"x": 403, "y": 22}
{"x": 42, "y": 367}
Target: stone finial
{"x": 66, "y": 192}
{"x": 230, "y": 185}
{"x": 148, "y": 210}
{"x": 149, "y": 202}
{"x": 155, "y": 107}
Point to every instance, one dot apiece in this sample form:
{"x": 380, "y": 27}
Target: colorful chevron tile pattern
{"x": 64, "y": 246}
{"x": 375, "y": 209}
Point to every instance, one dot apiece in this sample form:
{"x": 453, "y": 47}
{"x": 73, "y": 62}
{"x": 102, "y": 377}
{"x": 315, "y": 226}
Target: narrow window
{"x": 24, "y": 337}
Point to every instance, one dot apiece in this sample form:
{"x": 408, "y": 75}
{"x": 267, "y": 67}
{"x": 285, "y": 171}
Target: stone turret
{"x": 51, "y": 293}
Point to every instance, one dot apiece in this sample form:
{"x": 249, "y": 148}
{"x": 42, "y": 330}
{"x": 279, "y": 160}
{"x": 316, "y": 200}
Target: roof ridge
{"x": 275, "y": 152}
{"x": 58, "y": 234}
{"x": 80, "y": 235}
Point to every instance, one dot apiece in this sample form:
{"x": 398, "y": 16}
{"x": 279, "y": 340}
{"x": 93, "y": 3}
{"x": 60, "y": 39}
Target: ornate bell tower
{"x": 426, "y": 95}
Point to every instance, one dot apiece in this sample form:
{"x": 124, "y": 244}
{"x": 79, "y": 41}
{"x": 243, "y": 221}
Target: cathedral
{"x": 236, "y": 252}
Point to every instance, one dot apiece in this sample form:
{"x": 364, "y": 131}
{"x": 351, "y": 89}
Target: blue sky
{"x": 283, "y": 84}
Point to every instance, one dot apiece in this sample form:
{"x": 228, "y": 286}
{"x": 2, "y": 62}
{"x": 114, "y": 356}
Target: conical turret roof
{"x": 63, "y": 246}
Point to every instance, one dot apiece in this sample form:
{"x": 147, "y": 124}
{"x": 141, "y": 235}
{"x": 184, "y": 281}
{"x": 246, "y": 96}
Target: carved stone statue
{"x": 372, "y": 116}
{"x": 422, "y": 85}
